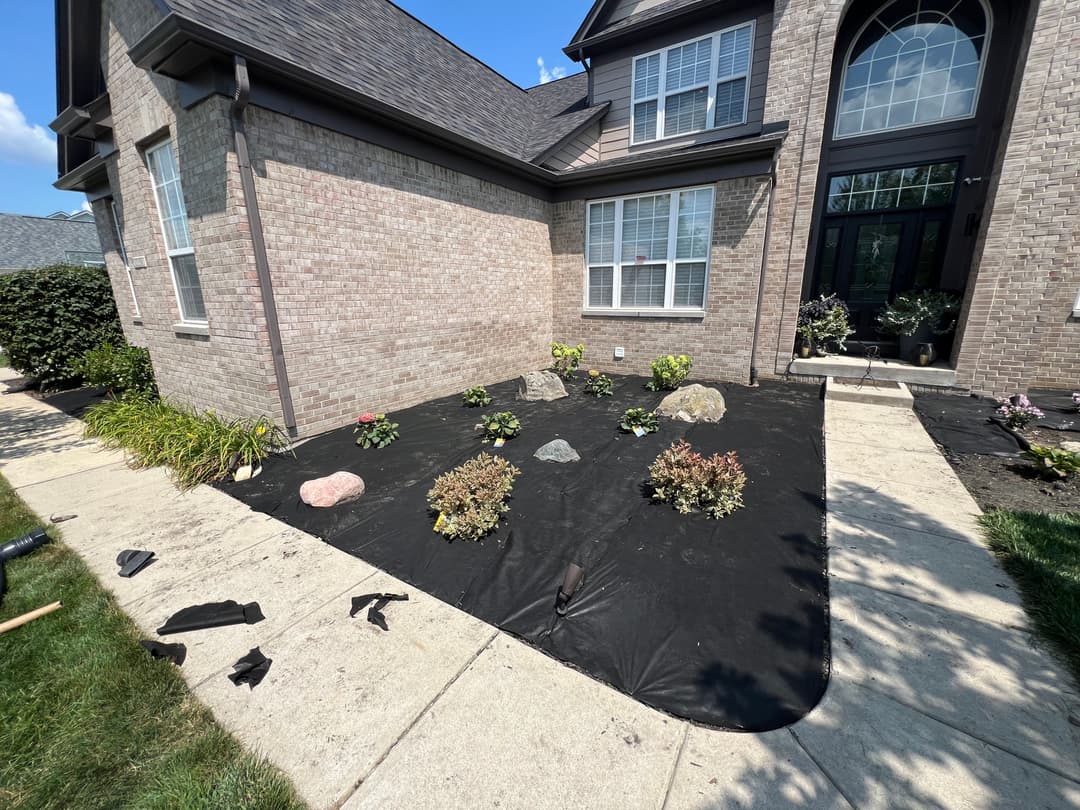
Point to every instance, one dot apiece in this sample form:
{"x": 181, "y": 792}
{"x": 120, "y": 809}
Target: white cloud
{"x": 549, "y": 75}
{"x": 20, "y": 141}
{"x": 84, "y": 207}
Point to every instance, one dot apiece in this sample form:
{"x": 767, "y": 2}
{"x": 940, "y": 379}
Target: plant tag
{"x": 639, "y": 431}
{"x": 499, "y": 442}
{"x": 439, "y": 521}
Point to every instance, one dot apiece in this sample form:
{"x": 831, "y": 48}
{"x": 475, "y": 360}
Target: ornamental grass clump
{"x": 669, "y": 371}
{"x": 470, "y": 499}
{"x": 196, "y": 447}
{"x": 1018, "y": 412}
{"x": 502, "y": 425}
{"x": 476, "y": 397}
{"x": 375, "y": 430}
{"x": 688, "y": 480}
{"x": 566, "y": 359}
{"x": 635, "y": 418}
{"x": 598, "y": 385}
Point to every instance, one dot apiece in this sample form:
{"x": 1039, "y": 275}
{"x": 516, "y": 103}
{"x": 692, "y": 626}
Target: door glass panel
{"x": 926, "y": 261}
{"x": 829, "y": 250}
{"x": 872, "y": 271}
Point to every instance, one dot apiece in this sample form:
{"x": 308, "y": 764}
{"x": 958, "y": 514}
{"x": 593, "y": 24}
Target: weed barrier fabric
{"x": 721, "y": 622}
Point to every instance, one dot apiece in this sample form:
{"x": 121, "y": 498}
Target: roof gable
{"x": 610, "y": 18}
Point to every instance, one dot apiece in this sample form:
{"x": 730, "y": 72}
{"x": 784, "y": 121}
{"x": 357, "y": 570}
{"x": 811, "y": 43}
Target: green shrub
{"x": 639, "y": 418}
{"x": 375, "y": 431}
{"x": 599, "y": 385}
{"x": 688, "y": 480}
{"x": 118, "y": 368}
{"x": 471, "y": 498}
{"x": 476, "y": 397}
{"x": 566, "y": 359}
{"x": 197, "y": 448}
{"x": 503, "y": 425}
{"x": 1052, "y": 462}
{"x": 49, "y": 318}
{"x": 669, "y": 372}
{"x": 910, "y": 310}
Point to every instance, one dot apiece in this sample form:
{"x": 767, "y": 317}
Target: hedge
{"x": 50, "y": 317}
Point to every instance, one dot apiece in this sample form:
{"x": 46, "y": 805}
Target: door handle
{"x": 971, "y": 223}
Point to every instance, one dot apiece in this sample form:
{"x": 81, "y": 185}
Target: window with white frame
{"x": 693, "y": 86}
{"x": 650, "y": 251}
{"x": 165, "y": 174}
{"x": 121, "y": 250}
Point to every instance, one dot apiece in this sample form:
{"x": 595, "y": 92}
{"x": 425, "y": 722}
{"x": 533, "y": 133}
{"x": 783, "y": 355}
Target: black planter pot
{"x": 909, "y": 344}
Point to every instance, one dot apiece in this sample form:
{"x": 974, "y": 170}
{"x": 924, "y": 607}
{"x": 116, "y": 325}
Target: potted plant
{"x": 915, "y": 318}
{"x": 824, "y": 323}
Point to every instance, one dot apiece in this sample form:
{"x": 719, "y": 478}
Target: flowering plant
{"x": 669, "y": 372}
{"x": 639, "y": 418}
{"x": 1018, "y": 412}
{"x": 1076, "y": 400}
{"x": 825, "y": 319}
{"x": 471, "y": 498}
{"x": 565, "y": 358}
{"x": 688, "y": 480}
{"x": 599, "y": 385}
{"x": 375, "y": 430}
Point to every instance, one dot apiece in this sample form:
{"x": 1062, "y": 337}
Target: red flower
{"x": 366, "y": 418}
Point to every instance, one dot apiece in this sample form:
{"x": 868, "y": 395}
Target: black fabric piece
{"x": 251, "y": 669}
{"x": 1059, "y": 411}
{"x": 722, "y": 622}
{"x": 132, "y": 561}
{"x": 176, "y": 653}
{"x": 381, "y": 600}
{"x": 965, "y": 424}
{"x": 213, "y": 614}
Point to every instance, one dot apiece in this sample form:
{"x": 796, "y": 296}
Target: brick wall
{"x": 719, "y": 342}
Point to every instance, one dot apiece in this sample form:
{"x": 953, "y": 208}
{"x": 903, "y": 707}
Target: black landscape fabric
{"x": 250, "y": 669}
{"x": 210, "y": 615}
{"x": 722, "y": 622}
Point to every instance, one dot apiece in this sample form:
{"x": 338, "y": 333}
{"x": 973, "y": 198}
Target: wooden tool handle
{"x": 19, "y": 621}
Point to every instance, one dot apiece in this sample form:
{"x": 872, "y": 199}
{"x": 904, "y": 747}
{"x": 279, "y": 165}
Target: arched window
{"x": 915, "y": 62}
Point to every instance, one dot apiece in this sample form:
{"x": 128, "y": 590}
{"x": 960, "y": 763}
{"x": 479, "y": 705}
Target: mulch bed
{"x": 989, "y": 459}
{"x": 722, "y": 622}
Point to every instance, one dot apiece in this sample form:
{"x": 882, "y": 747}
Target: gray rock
{"x": 339, "y": 487}
{"x": 540, "y": 385}
{"x": 694, "y": 403}
{"x": 557, "y": 450}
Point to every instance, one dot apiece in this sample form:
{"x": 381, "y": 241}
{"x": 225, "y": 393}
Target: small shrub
{"x": 683, "y": 477}
{"x": 911, "y": 310}
{"x": 1054, "y": 463}
{"x": 471, "y": 498}
{"x": 825, "y": 319}
{"x": 375, "y": 431}
{"x": 1018, "y": 412}
{"x": 118, "y": 368}
{"x": 197, "y": 448}
{"x": 50, "y": 317}
{"x": 669, "y": 372}
{"x": 599, "y": 385}
{"x": 502, "y": 425}
{"x": 639, "y": 418}
{"x": 476, "y": 397}
{"x": 566, "y": 359}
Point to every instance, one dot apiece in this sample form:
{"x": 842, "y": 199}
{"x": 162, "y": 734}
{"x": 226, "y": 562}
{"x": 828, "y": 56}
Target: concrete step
{"x": 868, "y": 391}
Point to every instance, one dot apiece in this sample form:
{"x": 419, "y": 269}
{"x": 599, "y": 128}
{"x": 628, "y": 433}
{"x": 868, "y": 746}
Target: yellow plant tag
{"x": 439, "y": 521}
{"x": 499, "y": 442}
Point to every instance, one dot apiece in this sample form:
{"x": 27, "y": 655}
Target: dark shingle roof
{"x": 560, "y": 111}
{"x": 377, "y": 49}
{"x": 27, "y": 242}
{"x": 601, "y": 28}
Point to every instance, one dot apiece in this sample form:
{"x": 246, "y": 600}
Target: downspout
{"x": 762, "y": 273}
{"x": 588, "y": 78}
{"x": 262, "y": 265}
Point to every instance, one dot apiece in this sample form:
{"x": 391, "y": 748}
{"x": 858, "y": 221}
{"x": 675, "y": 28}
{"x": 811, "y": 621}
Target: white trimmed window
{"x": 174, "y": 226}
{"x": 121, "y": 249}
{"x": 650, "y": 251}
{"x": 694, "y": 86}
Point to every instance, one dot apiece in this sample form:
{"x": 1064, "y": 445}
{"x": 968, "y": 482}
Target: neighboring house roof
{"x": 377, "y": 49}
{"x": 27, "y": 242}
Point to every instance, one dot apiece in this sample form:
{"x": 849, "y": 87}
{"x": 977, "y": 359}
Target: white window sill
{"x": 192, "y": 329}
{"x": 687, "y": 314}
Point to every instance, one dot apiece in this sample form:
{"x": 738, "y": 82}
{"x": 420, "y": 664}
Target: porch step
{"x": 845, "y": 366}
{"x": 871, "y": 392}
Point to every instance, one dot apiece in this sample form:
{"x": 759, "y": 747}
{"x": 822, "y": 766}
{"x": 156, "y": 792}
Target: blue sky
{"x": 511, "y": 37}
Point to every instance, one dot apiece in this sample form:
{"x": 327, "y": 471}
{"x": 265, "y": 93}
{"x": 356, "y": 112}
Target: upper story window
{"x": 165, "y": 174}
{"x": 693, "y": 86}
{"x": 649, "y": 252}
{"x": 916, "y": 62}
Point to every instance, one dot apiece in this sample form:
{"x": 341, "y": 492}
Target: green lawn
{"x": 1042, "y": 553}
{"x": 88, "y": 719}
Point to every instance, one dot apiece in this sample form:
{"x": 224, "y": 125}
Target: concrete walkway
{"x": 938, "y": 695}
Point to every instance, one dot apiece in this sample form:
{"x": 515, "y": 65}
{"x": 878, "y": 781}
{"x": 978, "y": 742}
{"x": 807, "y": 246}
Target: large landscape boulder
{"x": 540, "y": 385}
{"x": 558, "y": 450}
{"x": 694, "y": 403}
{"x": 339, "y": 487}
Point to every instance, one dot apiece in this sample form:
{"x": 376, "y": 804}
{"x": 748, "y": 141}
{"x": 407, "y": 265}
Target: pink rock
{"x": 341, "y": 487}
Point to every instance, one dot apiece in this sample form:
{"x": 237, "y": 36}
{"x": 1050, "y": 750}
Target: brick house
{"x": 319, "y": 207}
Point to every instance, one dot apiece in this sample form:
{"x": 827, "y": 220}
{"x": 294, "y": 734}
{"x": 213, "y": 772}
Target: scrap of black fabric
{"x": 213, "y": 614}
{"x": 722, "y": 622}
{"x": 251, "y": 669}
{"x": 177, "y": 653}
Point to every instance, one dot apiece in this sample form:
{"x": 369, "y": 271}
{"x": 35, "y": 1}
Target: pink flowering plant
{"x": 375, "y": 430}
{"x": 1076, "y": 400}
{"x": 1018, "y": 412}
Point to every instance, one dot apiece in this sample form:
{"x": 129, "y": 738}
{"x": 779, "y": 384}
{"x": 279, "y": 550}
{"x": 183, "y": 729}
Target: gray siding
{"x": 579, "y": 151}
{"x": 613, "y": 71}
{"x": 626, "y": 8}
